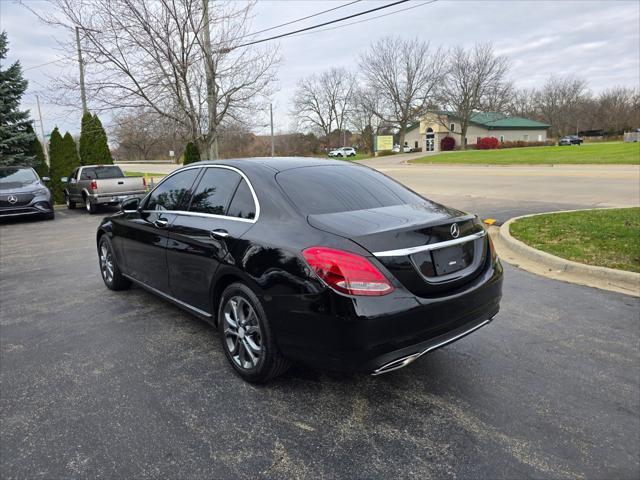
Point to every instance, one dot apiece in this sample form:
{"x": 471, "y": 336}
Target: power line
{"x": 224, "y": 50}
{"x": 367, "y": 19}
{"x": 299, "y": 19}
{"x": 44, "y": 64}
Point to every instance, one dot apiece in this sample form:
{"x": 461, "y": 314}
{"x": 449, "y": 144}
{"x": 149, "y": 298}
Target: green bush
{"x": 94, "y": 148}
{"x": 37, "y": 152}
{"x": 57, "y": 167}
{"x": 191, "y": 154}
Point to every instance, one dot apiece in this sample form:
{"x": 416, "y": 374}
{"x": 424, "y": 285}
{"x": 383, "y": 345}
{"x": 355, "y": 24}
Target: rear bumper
{"x": 115, "y": 198}
{"x": 376, "y": 334}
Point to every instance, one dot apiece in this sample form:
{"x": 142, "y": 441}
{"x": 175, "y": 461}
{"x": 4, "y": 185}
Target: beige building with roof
{"x": 429, "y": 132}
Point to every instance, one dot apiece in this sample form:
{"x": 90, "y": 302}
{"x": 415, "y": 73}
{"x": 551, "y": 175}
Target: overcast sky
{"x": 596, "y": 40}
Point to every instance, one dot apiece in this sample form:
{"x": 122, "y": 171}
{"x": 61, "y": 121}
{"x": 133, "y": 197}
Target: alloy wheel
{"x": 106, "y": 263}
{"x": 242, "y": 334}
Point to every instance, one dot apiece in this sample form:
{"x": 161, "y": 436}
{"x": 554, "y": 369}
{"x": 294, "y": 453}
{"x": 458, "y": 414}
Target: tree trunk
{"x": 402, "y": 129}
{"x": 463, "y": 135}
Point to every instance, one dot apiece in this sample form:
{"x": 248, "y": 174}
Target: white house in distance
{"x": 428, "y": 132}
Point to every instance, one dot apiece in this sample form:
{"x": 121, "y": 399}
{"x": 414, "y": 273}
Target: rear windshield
{"x": 331, "y": 189}
{"x": 93, "y": 173}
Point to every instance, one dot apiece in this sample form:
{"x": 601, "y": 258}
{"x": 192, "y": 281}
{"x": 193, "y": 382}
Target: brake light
{"x": 347, "y": 272}
{"x": 144, "y": 182}
{"x": 93, "y": 185}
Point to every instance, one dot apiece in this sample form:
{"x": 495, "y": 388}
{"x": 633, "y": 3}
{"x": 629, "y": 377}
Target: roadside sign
{"x": 172, "y": 153}
{"x": 383, "y": 142}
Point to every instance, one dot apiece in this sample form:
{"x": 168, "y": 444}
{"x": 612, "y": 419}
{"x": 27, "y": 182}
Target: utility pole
{"x": 45, "y": 147}
{"x": 209, "y": 73}
{"x": 83, "y": 94}
{"x": 273, "y": 148}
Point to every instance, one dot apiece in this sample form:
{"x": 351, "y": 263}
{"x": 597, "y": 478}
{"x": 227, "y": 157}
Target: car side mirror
{"x": 130, "y": 204}
{"x": 63, "y": 179}
{"x": 46, "y": 179}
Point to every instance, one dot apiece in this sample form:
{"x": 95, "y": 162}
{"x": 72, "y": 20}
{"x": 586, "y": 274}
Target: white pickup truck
{"x": 94, "y": 185}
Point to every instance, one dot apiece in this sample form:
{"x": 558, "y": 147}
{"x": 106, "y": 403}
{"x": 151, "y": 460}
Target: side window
{"x": 88, "y": 174}
{"x": 214, "y": 191}
{"x": 74, "y": 175}
{"x": 172, "y": 192}
{"x": 242, "y": 205}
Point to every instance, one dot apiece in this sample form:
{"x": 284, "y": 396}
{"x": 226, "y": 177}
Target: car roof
{"x": 277, "y": 164}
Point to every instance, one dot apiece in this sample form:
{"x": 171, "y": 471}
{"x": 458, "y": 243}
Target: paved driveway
{"x": 104, "y": 384}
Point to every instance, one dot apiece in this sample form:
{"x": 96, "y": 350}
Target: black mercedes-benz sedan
{"x": 322, "y": 262}
{"x": 23, "y": 193}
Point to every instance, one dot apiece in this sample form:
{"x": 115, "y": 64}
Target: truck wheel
{"x": 70, "y": 204}
{"x": 91, "y": 207}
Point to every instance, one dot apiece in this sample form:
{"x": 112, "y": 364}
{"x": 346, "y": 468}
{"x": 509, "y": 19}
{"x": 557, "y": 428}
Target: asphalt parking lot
{"x": 104, "y": 384}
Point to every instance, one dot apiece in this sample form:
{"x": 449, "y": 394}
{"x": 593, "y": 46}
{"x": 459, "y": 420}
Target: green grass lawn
{"x": 607, "y": 238}
{"x": 598, "y": 153}
{"x": 143, "y": 174}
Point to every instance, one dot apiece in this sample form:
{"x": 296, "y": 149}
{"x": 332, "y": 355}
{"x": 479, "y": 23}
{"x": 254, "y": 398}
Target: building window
{"x": 501, "y": 138}
{"x": 416, "y": 144}
{"x": 526, "y": 138}
{"x": 539, "y": 138}
{"x": 452, "y": 127}
{"x": 466, "y": 141}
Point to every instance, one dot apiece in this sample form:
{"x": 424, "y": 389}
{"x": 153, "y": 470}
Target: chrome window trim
{"x": 401, "y": 252}
{"x": 208, "y": 215}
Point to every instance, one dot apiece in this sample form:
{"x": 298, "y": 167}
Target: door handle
{"x": 220, "y": 233}
{"x": 161, "y": 223}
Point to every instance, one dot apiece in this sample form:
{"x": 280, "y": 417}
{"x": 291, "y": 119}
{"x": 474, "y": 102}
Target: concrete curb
{"x": 551, "y": 266}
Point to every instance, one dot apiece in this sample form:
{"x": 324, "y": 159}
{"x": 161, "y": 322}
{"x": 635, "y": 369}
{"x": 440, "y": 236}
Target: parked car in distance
{"x": 323, "y": 262}
{"x": 94, "y": 185}
{"x": 570, "y": 140}
{"x": 405, "y": 149}
{"x": 343, "y": 152}
{"x": 23, "y": 193}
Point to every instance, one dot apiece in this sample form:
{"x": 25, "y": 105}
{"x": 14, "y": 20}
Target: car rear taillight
{"x": 93, "y": 185}
{"x": 347, "y": 272}
{"x": 144, "y": 182}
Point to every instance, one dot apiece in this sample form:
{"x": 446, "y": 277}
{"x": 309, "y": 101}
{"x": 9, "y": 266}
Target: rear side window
{"x": 172, "y": 192}
{"x": 96, "y": 173}
{"x": 242, "y": 205}
{"x": 214, "y": 191}
{"x": 331, "y": 189}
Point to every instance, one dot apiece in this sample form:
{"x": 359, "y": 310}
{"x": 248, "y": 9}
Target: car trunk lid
{"x": 418, "y": 244}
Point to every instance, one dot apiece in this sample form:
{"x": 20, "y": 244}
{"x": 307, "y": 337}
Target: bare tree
{"x": 364, "y": 119}
{"x": 159, "y": 55}
{"x": 559, "y": 102}
{"x": 473, "y": 78}
{"x": 405, "y": 74}
{"x": 522, "y": 103}
{"x": 143, "y": 134}
{"x": 617, "y": 109}
{"x": 324, "y": 102}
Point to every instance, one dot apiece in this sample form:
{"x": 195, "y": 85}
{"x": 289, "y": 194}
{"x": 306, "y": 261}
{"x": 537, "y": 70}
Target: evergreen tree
{"x": 86, "y": 139}
{"x": 94, "y": 148}
{"x": 15, "y": 140}
{"x": 70, "y": 154}
{"x": 191, "y": 154}
{"x": 57, "y": 168}
{"x": 37, "y": 152}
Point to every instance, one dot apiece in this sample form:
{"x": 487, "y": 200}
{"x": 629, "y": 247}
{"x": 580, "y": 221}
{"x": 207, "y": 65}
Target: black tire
{"x": 113, "y": 280}
{"x": 70, "y": 203}
{"x": 270, "y": 362}
{"x": 90, "y": 207}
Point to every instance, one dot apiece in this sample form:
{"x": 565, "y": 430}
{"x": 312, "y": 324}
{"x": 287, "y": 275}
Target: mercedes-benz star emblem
{"x": 455, "y": 230}
{"x": 12, "y": 199}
